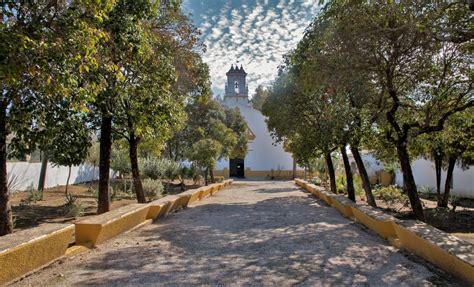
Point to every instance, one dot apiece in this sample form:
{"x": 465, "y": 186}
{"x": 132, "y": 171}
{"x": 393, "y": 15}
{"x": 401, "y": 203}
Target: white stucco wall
{"x": 424, "y": 173}
{"x": 27, "y": 174}
{"x": 262, "y": 153}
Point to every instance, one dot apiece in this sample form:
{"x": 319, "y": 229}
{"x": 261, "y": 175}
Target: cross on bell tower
{"x": 236, "y": 85}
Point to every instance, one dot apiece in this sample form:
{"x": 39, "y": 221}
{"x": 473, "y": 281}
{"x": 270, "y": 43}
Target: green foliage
{"x": 33, "y": 196}
{"x": 73, "y": 207}
{"x": 93, "y": 155}
{"x": 428, "y": 191}
{"x": 153, "y": 188}
{"x": 358, "y": 185}
{"x": 373, "y": 73}
{"x": 70, "y": 143}
{"x": 205, "y": 152}
{"x": 67, "y": 65}
{"x": 122, "y": 189}
{"x": 261, "y": 95}
{"x": 316, "y": 181}
{"x": 212, "y": 132}
{"x": 392, "y": 195}
{"x": 455, "y": 201}
{"x": 342, "y": 187}
{"x": 120, "y": 161}
{"x": 160, "y": 168}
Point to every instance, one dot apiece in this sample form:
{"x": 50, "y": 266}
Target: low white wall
{"x": 424, "y": 173}
{"x": 27, "y": 174}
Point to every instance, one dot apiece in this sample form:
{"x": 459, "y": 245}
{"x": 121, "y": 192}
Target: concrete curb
{"x": 26, "y": 251}
{"x": 448, "y": 252}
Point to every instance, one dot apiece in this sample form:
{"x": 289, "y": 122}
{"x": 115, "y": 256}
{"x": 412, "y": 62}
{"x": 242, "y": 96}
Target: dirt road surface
{"x": 253, "y": 233}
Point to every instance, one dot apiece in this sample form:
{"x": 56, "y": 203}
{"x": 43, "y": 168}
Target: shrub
{"x": 151, "y": 167}
{"x": 120, "y": 161}
{"x": 122, "y": 189}
{"x": 33, "y": 196}
{"x": 158, "y": 168}
{"x": 358, "y": 185}
{"x": 340, "y": 184}
{"x": 172, "y": 170}
{"x": 455, "y": 201}
{"x": 73, "y": 207}
{"x": 428, "y": 192}
{"x": 316, "y": 181}
{"x": 391, "y": 195}
{"x": 194, "y": 173}
{"x": 153, "y": 189}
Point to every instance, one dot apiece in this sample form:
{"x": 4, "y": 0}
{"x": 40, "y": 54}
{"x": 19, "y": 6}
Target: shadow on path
{"x": 278, "y": 240}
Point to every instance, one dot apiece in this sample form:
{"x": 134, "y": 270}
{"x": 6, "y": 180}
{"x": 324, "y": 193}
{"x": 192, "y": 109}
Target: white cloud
{"x": 256, "y": 35}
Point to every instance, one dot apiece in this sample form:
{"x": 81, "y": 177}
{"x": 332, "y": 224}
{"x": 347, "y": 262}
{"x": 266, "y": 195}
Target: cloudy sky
{"x": 256, "y": 33}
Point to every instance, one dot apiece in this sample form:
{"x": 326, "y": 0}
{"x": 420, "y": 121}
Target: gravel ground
{"x": 253, "y": 233}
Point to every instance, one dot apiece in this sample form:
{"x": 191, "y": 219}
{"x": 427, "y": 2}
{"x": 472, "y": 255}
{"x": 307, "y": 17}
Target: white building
{"x": 264, "y": 159}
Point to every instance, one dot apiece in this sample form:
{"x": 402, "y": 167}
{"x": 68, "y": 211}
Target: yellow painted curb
{"x": 78, "y": 249}
{"x": 27, "y": 250}
{"x": 195, "y": 195}
{"x": 99, "y": 228}
{"x": 375, "y": 220}
{"x": 215, "y": 188}
{"x": 206, "y": 191}
{"x": 180, "y": 202}
{"x": 448, "y": 252}
{"x": 443, "y": 250}
{"x": 343, "y": 205}
{"x": 158, "y": 208}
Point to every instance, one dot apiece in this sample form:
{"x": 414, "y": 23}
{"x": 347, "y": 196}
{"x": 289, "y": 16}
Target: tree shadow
{"x": 291, "y": 240}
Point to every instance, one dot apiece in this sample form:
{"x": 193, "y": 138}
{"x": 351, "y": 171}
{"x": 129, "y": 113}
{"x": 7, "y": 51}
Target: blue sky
{"x": 256, "y": 33}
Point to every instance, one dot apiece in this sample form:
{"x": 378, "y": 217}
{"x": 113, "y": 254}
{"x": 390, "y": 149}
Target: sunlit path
{"x": 252, "y": 233}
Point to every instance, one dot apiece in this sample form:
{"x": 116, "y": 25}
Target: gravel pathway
{"x": 253, "y": 233}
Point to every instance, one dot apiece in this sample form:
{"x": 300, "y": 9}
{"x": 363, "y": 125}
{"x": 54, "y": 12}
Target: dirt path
{"x": 262, "y": 233}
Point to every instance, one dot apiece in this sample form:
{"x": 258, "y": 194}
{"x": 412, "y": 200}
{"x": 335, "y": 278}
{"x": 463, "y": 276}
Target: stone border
{"x": 448, "y": 252}
{"x": 28, "y": 250}
{"x": 25, "y": 251}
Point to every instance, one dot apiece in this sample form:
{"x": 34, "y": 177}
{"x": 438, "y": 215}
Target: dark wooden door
{"x": 236, "y": 167}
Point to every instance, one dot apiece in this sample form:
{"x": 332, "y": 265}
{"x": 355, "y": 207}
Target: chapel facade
{"x": 264, "y": 159}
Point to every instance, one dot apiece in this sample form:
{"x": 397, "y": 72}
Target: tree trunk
{"x": 438, "y": 160}
{"x": 349, "y": 179}
{"x": 449, "y": 178}
{"x": 104, "y": 164}
{"x": 294, "y": 169}
{"x": 211, "y": 173}
{"x": 42, "y": 178}
{"x": 409, "y": 184}
{"x": 6, "y": 219}
{"x": 137, "y": 183}
{"x": 67, "y": 181}
{"x": 364, "y": 176}
{"x": 205, "y": 176}
{"x": 331, "y": 173}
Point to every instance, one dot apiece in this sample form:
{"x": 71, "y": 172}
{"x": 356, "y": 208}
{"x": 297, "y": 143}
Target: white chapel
{"x": 264, "y": 159}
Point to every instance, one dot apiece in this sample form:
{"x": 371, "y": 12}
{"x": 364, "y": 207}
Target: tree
{"x": 453, "y": 145}
{"x": 70, "y": 144}
{"x": 421, "y": 80}
{"x": 261, "y": 94}
{"x": 409, "y": 68}
{"x": 159, "y": 76}
{"x": 204, "y": 154}
{"x": 129, "y": 26}
{"x": 39, "y": 68}
{"x": 211, "y": 132}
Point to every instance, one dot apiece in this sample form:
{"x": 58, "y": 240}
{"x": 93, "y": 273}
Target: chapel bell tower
{"x": 236, "y": 86}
